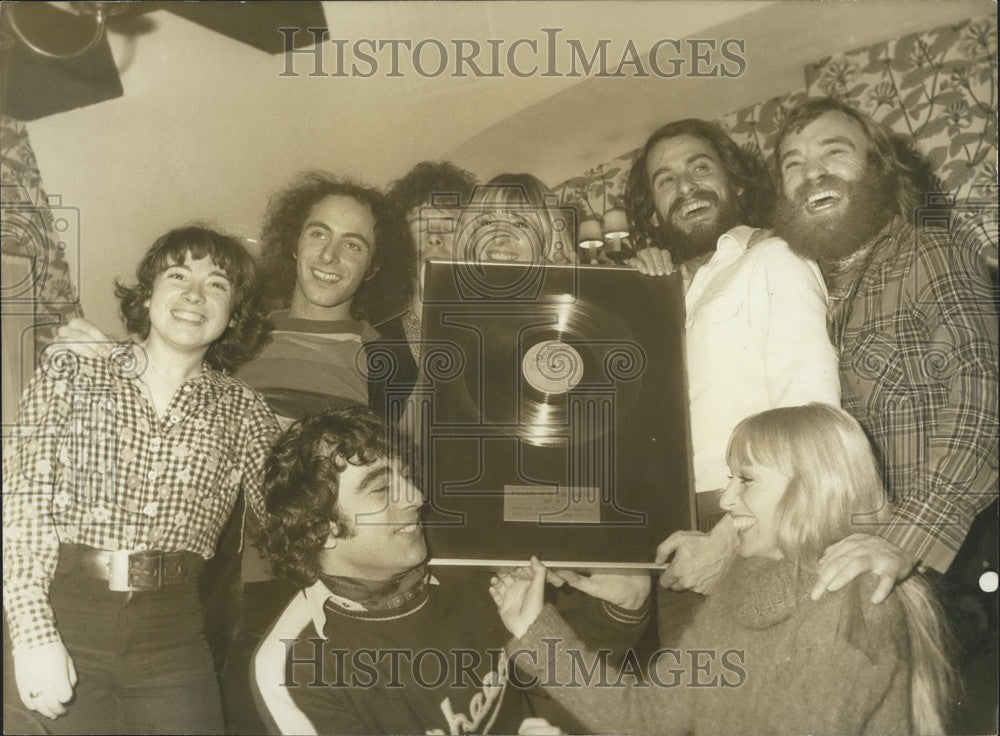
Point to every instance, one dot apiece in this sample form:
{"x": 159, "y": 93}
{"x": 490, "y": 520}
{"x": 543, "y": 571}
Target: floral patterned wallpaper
{"x": 34, "y": 227}
{"x": 939, "y": 86}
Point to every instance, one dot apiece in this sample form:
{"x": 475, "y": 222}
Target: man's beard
{"x": 703, "y": 236}
{"x": 833, "y": 236}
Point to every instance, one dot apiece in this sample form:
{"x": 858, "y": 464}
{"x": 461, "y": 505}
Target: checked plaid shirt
{"x": 89, "y": 462}
{"x": 916, "y": 334}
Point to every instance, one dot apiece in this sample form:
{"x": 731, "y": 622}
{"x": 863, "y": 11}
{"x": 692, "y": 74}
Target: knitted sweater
{"x": 310, "y": 363}
{"x": 759, "y": 657}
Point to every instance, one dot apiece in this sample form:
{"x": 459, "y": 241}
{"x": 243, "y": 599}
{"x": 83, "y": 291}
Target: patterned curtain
{"x": 938, "y": 86}
{"x": 39, "y": 228}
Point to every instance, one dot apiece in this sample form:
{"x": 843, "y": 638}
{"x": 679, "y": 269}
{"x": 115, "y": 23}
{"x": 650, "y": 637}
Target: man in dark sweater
{"x": 375, "y": 642}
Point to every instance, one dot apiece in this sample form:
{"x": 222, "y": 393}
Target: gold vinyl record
{"x": 561, "y": 375}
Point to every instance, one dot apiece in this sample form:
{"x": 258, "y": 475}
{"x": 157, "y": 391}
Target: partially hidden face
{"x": 333, "y": 258}
{"x": 433, "y": 232}
{"x": 752, "y": 499}
{"x": 190, "y": 305}
{"x": 504, "y": 236}
{"x": 689, "y": 183}
{"x": 380, "y": 535}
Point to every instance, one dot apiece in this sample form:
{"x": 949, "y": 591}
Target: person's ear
{"x": 372, "y": 270}
{"x": 331, "y": 540}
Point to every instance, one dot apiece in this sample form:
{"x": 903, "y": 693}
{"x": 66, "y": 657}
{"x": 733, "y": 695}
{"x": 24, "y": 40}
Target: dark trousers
{"x": 974, "y": 619}
{"x": 263, "y": 602}
{"x": 141, "y": 659}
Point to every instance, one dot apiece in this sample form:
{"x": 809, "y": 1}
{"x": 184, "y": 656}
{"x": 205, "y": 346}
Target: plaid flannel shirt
{"x": 917, "y": 342}
{"x": 89, "y": 462}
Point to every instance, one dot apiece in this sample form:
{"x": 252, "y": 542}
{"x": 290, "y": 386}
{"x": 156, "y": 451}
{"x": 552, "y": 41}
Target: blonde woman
{"x": 761, "y": 656}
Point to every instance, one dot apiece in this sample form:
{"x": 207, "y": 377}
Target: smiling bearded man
{"x": 755, "y": 312}
{"x": 913, "y": 317}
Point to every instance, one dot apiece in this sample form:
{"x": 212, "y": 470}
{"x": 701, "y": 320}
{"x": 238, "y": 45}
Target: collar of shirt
{"x": 283, "y": 321}
{"x": 878, "y": 251}
{"x": 728, "y": 248}
{"x": 129, "y": 362}
{"x": 318, "y": 595}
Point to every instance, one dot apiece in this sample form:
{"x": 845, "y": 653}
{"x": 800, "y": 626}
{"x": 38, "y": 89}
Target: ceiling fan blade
{"x": 254, "y": 23}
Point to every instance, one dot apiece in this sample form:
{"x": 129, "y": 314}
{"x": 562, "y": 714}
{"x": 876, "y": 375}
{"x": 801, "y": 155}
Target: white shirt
{"x": 756, "y": 339}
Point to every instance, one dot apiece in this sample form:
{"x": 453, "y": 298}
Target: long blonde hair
{"x": 835, "y": 489}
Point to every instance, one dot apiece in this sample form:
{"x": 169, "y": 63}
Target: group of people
{"x": 260, "y": 457}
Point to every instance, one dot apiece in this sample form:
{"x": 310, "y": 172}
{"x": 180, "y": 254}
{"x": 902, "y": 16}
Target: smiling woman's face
{"x": 190, "y": 305}
{"x": 752, "y": 499}
{"x": 504, "y": 237}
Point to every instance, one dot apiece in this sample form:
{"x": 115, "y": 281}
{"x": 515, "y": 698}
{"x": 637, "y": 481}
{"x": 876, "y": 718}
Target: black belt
{"x": 130, "y": 570}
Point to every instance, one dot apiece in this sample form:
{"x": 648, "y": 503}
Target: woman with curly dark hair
{"x": 247, "y": 331}
{"x": 121, "y": 476}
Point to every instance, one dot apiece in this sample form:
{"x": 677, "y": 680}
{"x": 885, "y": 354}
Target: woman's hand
{"x": 624, "y": 591}
{"x": 45, "y": 678}
{"x": 519, "y": 596}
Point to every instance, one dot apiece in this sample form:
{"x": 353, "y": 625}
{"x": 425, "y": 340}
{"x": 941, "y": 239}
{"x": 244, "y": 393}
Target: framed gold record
{"x": 558, "y": 425}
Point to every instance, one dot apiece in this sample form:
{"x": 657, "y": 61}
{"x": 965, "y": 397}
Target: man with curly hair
{"x": 337, "y": 258}
{"x": 376, "y": 642}
{"x": 756, "y": 312}
{"x": 430, "y": 196}
{"x": 913, "y": 318}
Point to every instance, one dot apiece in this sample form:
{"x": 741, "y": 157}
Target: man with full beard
{"x": 756, "y": 313}
{"x": 913, "y": 318}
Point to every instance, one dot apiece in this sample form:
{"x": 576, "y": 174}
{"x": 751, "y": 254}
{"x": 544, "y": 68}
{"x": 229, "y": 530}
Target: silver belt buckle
{"x": 118, "y": 570}
{"x": 132, "y": 571}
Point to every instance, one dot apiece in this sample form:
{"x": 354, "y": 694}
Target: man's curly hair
{"x": 301, "y": 482}
{"x": 907, "y": 172}
{"x": 387, "y": 292}
{"x": 248, "y": 330}
{"x": 427, "y": 179}
{"x": 748, "y": 180}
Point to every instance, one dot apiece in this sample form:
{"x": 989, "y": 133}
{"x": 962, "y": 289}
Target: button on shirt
{"x": 756, "y": 339}
{"x": 917, "y": 336}
{"x": 91, "y": 463}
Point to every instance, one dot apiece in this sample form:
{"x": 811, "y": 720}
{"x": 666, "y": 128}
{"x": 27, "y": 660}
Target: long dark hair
{"x": 393, "y": 263}
{"x": 748, "y": 180}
